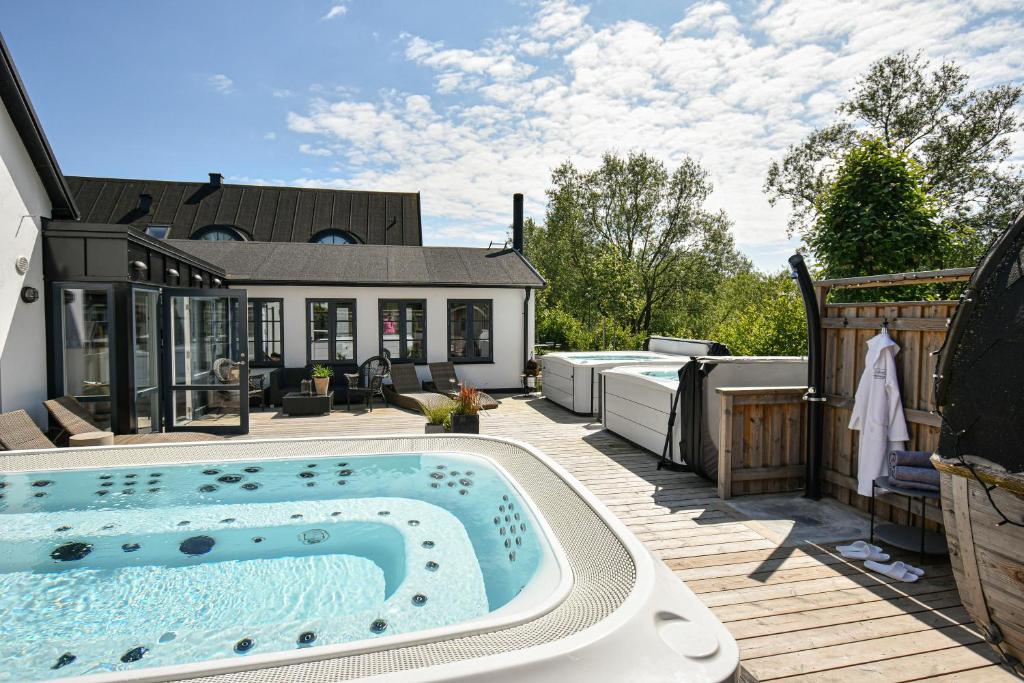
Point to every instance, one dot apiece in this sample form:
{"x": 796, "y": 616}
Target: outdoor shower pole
{"x": 815, "y": 370}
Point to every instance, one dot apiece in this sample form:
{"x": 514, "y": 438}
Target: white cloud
{"x": 282, "y": 93}
{"x": 270, "y": 135}
{"x": 334, "y": 12}
{"x": 221, "y": 84}
{"x": 731, "y": 86}
{"x": 315, "y": 151}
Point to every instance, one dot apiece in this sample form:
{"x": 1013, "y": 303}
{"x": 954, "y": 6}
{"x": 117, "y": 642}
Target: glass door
{"x": 208, "y": 372}
{"x": 146, "y": 360}
{"x": 84, "y": 353}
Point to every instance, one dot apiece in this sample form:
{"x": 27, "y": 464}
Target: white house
{"x": 32, "y": 189}
{"x": 146, "y": 287}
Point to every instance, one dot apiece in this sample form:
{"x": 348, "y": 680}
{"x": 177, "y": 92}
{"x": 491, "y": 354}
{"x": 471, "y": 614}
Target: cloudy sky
{"x": 470, "y": 101}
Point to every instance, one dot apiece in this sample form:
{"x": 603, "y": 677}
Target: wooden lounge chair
{"x": 72, "y": 418}
{"x": 405, "y": 388}
{"x": 447, "y": 382}
{"x": 18, "y": 432}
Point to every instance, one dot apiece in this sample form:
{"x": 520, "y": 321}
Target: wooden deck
{"x": 799, "y": 613}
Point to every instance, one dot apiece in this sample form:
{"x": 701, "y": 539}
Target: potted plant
{"x": 437, "y": 414}
{"x": 322, "y": 378}
{"x": 465, "y": 414}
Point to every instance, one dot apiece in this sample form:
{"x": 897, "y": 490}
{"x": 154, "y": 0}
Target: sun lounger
{"x": 72, "y": 418}
{"x": 447, "y": 382}
{"x": 405, "y": 388}
{"x": 18, "y": 432}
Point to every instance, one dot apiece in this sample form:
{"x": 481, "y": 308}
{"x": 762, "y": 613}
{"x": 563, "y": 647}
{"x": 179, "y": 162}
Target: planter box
{"x": 433, "y": 429}
{"x": 321, "y": 384}
{"x": 465, "y": 424}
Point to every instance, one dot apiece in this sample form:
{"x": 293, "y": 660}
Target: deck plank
{"x": 799, "y": 613}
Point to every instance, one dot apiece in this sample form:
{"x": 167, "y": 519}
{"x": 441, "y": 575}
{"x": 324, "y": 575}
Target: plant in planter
{"x": 322, "y": 378}
{"x": 466, "y": 414}
{"x": 438, "y": 416}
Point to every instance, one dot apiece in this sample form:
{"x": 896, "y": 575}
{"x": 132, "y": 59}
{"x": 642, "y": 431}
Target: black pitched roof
{"x": 260, "y": 212}
{"x": 30, "y": 130}
{"x": 364, "y": 264}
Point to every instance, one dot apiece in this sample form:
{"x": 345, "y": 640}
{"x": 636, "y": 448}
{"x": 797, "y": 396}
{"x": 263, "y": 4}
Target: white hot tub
{"x": 636, "y": 401}
{"x": 572, "y": 379}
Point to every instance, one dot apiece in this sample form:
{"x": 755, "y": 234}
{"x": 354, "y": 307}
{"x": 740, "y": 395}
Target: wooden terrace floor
{"x": 799, "y": 613}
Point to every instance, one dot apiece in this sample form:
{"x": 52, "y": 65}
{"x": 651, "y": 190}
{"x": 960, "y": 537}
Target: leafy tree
{"x": 757, "y": 314}
{"x": 875, "y": 217}
{"x": 960, "y": 137}
{"x": 623, "y": 245}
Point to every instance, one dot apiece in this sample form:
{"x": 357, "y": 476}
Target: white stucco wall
{"x": 23, "y": 203}
{"x": 504, "y": 372}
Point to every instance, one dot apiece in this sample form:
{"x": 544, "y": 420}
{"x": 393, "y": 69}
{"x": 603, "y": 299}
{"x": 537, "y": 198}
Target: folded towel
{"x": 910, "y": 458}
{"x": 924, "y": 478}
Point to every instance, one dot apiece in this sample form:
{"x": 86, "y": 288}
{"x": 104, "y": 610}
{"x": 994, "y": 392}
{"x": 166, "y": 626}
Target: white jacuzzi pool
{"x": 482, "y": 559}
{"x": 636, "y": 401}
{"x": 572, "y": 379}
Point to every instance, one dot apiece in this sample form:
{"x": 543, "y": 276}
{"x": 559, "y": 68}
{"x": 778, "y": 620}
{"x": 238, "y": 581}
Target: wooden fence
{"x": 762, "y": 440}
{"x": 919, "y": 327}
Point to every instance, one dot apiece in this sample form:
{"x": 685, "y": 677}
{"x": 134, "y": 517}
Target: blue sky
{"x": 468, "y": 102}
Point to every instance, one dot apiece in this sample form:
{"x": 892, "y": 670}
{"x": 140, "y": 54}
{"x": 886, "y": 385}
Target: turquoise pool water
{"x": 121, "y": 569}
{"x": 662, "y": 374}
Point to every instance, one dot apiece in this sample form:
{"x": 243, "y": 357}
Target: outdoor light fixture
{"x": 172, "y": 272}
{"x": 217, "y": 281}
{"x": 29, "y": 295}
{"x": 197, "y": 277}
{"x": 140, "y": 266}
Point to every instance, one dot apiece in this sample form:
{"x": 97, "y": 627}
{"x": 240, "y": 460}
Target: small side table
{"x": 91, "y": 439}
{"x": 906, "y": 537}
{"x": 296, "y": 403}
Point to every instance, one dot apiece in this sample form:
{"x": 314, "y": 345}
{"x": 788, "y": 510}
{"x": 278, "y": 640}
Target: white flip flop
{"x": 896, "y": 570}
{"x": 862, "y": 551}
{"x": 859, "y": 546}
{"x": 916, "y": 571}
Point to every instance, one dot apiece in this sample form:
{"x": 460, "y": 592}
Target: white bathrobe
{"x": 878, "y": 412}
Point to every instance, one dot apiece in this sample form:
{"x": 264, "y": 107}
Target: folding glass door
{"x": 208, "y": 376}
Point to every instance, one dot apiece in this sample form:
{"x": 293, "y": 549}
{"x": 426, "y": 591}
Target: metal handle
{"x": 812, "y": 396}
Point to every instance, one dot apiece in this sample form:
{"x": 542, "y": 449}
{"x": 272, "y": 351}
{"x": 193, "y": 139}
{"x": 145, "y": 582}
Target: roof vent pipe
{"x": 517, "y": 222}
{"x": 216, "y": 179}
{"x": 145, "y": 203}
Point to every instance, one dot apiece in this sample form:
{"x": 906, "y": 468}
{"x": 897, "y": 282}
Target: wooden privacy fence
{"x": 919, "y": 327}
{"x": 761, "y": 440}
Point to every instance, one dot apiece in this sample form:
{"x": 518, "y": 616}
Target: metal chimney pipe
{"x": 145, "y": 203}
{"x": 216, "y": 179}
{"x": 517, "y": 222}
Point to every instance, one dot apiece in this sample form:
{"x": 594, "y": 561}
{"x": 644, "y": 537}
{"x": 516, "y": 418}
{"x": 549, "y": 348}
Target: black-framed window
{"x": 333, "y": 236}
{"x": 266, "y": 332}
{"x": 403, "y": 329}
{"x": 330, "y": 330}
{"x": 158, "y": 231}
{"x": 470, "y": 330}
{"x": 86, "y": 345}
{"x": 218, "y": 233}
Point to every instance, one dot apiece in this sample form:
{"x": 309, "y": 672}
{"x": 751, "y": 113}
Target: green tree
{"x": 875, "y": 217}
{"x": 961, "y": 139}
{"x": 756, "y": 314}
{"x": 623, "y": 245}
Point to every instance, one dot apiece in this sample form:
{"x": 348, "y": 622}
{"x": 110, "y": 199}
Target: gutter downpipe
{"x": 815, "y": 374}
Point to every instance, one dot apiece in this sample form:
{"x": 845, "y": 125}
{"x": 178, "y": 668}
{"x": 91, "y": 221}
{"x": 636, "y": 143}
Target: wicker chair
{"x": 447, "y": 382}
{"x": 368, "y": 381}
{"x": 72, "y": 418}
{"x": 19, "y": 432}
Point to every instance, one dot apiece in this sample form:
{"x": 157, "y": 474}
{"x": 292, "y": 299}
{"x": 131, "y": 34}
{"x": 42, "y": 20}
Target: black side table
{"x": 295, "y": 403}
{"x": 906, "y": 537}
